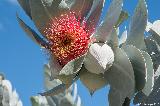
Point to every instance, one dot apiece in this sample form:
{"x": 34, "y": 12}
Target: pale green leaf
{"x": 92, "y": 81}
{"x": 39, "y": 14}
{"x": 121, "y": 75}
{"x": 139, "y": 65}
{"x": 138, "y": 26}
{"x": 150, "y": 74}
{"x": 112, "y": 39}
{"x": 73, "y": 66}
{"x": 110, "y": 20}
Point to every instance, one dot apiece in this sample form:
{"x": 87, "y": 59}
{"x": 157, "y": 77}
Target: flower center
{"x": 67, "y": 40}
{"x": 68, "y": 37}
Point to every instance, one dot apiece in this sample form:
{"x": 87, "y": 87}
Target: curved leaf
{"x": 138, "y": 26}
{"x": 139, "y": 65}
{"x": 39, "y": 14}
{"x": 110, "y": 20}
{"x": 94, "y": 15}
{"x": 32, "y": 34}
{"x": 112, "y": 39}
{"x": 73, "y": 66}
{"x": 92, "y": 81}
{"x": 150, "y": 74}
{"x": 121, "y": 75}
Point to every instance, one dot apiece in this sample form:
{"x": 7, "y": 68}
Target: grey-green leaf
{"x": 54, "y": 91}
{"x": 69, "y": 72}
{"x": 39, "y": 14}
{"x": 139, "y": 65}
{"x": 150, "y": 74}
{"x": 32, "y": 34}
{"x": 92, "y": 81}
{"x": 138, "y": 26}
{"x": 73, "y": 66}
{"x": 121, "y": 75}
{"x": 112, "y": 39}
{"x": 115, "y": 97}
{"x": 48, "y": 82}
{"x": 110, "y": 20}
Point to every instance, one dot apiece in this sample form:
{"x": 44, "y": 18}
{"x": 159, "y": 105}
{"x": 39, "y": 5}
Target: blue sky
{"x": 21, "y": 60}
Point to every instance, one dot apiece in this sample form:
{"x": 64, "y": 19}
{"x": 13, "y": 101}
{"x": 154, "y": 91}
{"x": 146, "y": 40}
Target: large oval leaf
{"x": 121, "y": 75}
{"x": 139, "y": 65}
{"x": 99, "y": 58}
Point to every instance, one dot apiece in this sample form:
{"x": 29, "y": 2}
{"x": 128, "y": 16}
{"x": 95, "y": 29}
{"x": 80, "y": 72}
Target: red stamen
{"x": 68, "y": 37}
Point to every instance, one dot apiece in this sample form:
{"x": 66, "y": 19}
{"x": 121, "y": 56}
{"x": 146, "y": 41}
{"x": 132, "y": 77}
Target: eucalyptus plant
{"x": 81, "y": 47}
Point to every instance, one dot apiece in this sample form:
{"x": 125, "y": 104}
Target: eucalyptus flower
{"x": 69, "y": 33}
{"x": 81, "y": 47}
{"x": 7, "y": 96}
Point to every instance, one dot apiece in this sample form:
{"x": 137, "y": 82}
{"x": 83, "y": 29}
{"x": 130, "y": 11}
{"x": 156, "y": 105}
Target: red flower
{"x": 68, "y": 37}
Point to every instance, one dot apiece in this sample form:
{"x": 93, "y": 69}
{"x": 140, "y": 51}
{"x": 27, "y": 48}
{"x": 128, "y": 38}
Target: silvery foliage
{"x": 126, "y": 64}
{"x": 153, "y": 47}
{"x": 8, "y": 97}
{"x": 67, "y": 98}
